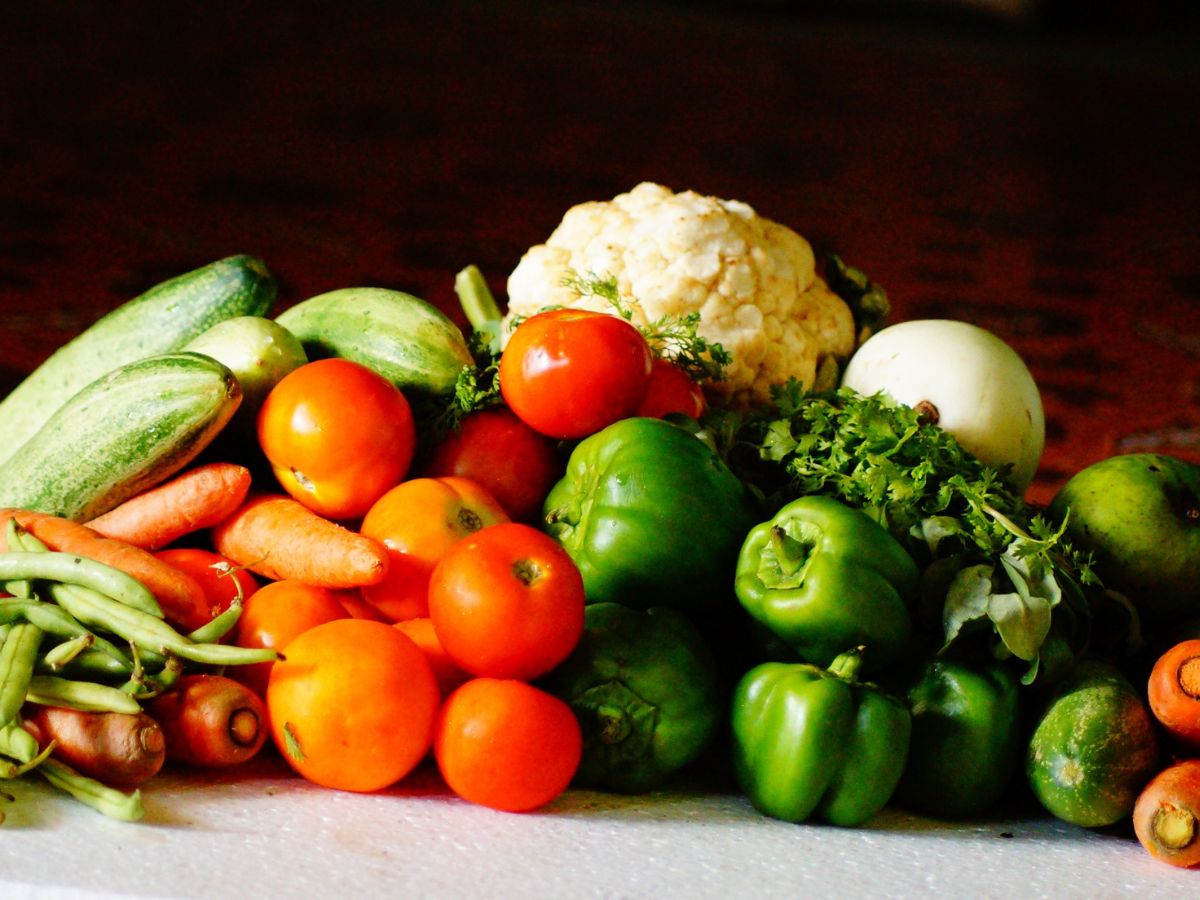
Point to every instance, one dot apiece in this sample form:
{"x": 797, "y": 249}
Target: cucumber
{"x": 402, "y": 337}
{"x": 161, "y": 320}
{"x": 1093, "y": 749}
{"x": 122, "y": 434}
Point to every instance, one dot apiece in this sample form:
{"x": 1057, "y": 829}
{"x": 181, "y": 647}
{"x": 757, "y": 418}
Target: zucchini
{"x": 161, "y": 320}
{"x": 122, "y": 434}
{"x": 402, "y": 337}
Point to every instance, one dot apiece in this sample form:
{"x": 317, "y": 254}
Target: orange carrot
{"x": 198, "y": 498}
{"x": 122, "y": 750}
{"x": 179, "y": 594}
{"x": 210, "y": 720}
{"x": 1174, "y": 691}
{"x": 1166, "y": 817}
{"x": 280, "y": 538}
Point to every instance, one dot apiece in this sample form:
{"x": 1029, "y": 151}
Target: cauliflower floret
{"x": 753, "y": 281}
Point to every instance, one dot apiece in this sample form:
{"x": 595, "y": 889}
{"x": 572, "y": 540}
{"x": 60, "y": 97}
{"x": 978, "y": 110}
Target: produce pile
{"x": 689, "y": 505}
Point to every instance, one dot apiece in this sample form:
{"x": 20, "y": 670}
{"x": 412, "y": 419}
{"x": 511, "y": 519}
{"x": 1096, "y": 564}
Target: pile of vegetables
{"x": 560, "y": 549}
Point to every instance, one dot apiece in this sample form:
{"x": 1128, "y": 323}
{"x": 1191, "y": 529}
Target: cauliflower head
{"x": 753, "y": 282}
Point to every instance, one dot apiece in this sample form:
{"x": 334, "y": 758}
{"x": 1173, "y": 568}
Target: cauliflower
{"x": 753, "y": 282}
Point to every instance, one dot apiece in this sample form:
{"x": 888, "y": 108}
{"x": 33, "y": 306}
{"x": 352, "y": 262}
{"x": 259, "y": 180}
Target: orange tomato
{"x": 418, "y": 521}
{"x": 448, "y": 675}
{"x": 275, "y": 615}
{"x": 352, "y": 705}
{"x": 507, "y": 602}
{"x": 671, "y": 390}
{"x": 337, "y": 435}
{"x": 506, "y": 744}
{"x": 220, "y": 578}
{"x": 493, "y": 447}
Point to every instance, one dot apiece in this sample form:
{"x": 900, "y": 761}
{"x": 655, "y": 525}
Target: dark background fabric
{"x": 1031, "y": 167}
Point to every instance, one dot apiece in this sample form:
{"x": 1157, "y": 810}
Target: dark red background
{"x": 1036, "y": 175}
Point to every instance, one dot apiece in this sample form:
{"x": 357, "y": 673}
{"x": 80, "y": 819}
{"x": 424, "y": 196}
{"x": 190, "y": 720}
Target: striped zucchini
{"x": 122, "y": 434}
{"x": 400, "y": 336}
{"x": 161, "y": 320}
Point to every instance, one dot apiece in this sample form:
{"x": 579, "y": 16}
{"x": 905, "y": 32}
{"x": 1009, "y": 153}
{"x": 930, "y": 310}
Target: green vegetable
{"x": 813, "y": 742}
{"x": 826, "y": 578}
{"x": 121, "y": 435}
{"x": 1093, "y": 749}
{"x": 407, "y": 340}
{"x": 644, "y": 687}
{"x": 992, "y": 564}
{"x": 652, "y": 517}
{"x": 161, "y": 320}
{"x": 966, "y": 738}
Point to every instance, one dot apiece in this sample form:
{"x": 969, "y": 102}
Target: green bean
{"x": 12, "y": 538}
{"x": 57, "y": 621}
{"x": 88, "y": 665}
{"x": 62, "y": 654}
{"x": 16, "y": 770}
{"x": 69, "y": 568}
{"x": 218, "y": 627}
{"x": 17, "y": 658}
{"x": 4, "y": 630}
{"x": 50, "y": 690}
{"x": 17, "y": 743}
{"x": 100, "y": 797}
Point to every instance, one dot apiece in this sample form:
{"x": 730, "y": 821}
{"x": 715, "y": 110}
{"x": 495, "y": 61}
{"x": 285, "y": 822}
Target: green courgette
{"x": 161, "y": 320}
{"x": 122, "y": 434}
{"x": 1093, "y": 749}
{"x": 402, "y": 337}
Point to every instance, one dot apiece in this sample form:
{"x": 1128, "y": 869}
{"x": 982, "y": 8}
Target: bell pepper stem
{"x": 847, "y": 665}
{"x": 790, "y": 554}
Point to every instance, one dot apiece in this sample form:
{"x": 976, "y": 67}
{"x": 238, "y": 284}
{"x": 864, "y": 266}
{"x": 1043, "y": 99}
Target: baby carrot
{"x": 1166, "y": 817}
{"x": 1174, "y": 691}
{"x": 280, "y": 538}
{"x": 198, "y": 498}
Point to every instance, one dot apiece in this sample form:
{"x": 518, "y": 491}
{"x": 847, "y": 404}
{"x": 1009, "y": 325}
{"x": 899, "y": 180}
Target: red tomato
{"x": 220, "y": 578}
{"x": 337, "y": 435}
{"x": 570, "y": 372}
{"x": 278, "y": 613}
{"x": 418, "y": 521}
{"x": 352, "y": 705}
{"x": 507, "y": 602}
{"x": 506, "y": 744}
{"x": 494, "y": 448}
{"x": 671, "y": 390}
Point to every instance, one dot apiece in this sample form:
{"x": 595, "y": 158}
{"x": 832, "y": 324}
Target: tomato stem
{"x": 526, "y": 571}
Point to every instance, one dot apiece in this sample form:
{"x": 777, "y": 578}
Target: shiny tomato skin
{"x": 568, "y": 373}
{"x": 671, "y": 390}
{"x": 494, "y": 448}
{"x": 337, "y": 435}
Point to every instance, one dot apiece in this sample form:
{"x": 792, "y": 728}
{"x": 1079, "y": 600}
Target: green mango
{"x": 1139, "y": 515}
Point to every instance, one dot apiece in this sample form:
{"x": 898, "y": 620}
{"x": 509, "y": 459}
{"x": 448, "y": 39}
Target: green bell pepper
{"x": 814, "y": 742}
{"x": 643, "y": 685}
{"x": 966, "y": 738}
{"x": 826, "y": 578}
{"x": 651, "y": 516}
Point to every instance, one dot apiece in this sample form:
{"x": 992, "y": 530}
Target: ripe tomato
{"x": 277, "y": 614}
{"x": 353, "y": 704}
{"x": 448, "y": 675}
{"x": 512, "y": 461}
{"x": 220, "y": 578}
{"x": 671, "y": 390}
{"x": 506, "y": 744}
{"x": 418, "y": 521}
{"x": 570, "y": 372}
{"x": 507, "y": 602}
{"x": 337, "y": 436}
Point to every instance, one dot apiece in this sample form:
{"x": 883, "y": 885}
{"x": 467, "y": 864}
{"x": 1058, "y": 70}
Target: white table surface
{"x": 265, "y": 833}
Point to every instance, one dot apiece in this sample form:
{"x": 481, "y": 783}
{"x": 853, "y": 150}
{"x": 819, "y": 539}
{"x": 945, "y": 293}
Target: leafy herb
{"x": 673, "y": 337}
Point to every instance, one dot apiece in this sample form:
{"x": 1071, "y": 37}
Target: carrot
{"x": 210, "y": 721}
{"x": 198, "y": 498}
{"x": 121, "y": 750}
{"x": 179, "y": 594}
{"x": 1166, "y": 817}
{"x": 280, "y": 538}
{"x": 1174, "y": 691}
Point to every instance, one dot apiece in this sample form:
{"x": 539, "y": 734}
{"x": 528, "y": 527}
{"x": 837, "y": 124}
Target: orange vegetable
{"x": 1174, "y": 691}
{"x": 222, "y": 579}
{"x": 280, "y": 538}
{"x": 1166, "y": 817}
{"x": 121, "y": 750}
{"x": 210, "y": 721}
{"x": 278, "y": 613}
{"x": 506, "y": 744}
{"x": 448, "y": 674}
{"x": 198, "y": 498}
{"x": 418, "y": 521}
{"x": 352, "y": 705}
{"x": 181, "y": 598}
